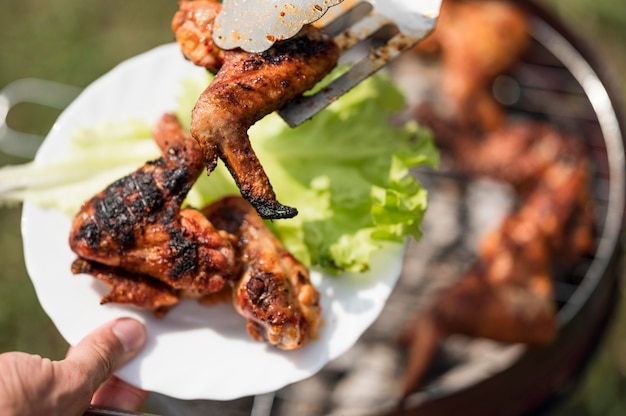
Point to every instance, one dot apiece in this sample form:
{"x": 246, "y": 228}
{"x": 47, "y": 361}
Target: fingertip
{"x": 106, "y": 349}
{"x": 130, "y": 333}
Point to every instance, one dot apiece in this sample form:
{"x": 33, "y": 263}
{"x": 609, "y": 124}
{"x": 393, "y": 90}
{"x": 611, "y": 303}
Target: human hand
{"x": 32, "y": 385}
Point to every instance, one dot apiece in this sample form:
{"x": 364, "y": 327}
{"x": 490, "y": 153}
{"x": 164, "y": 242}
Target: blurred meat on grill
{"x": 507, "y": 294}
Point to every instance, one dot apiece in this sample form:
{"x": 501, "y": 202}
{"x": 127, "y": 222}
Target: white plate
{"x": 195, "y": 352}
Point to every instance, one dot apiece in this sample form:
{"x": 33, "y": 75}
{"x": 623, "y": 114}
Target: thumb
{"x": 105, "y": 350}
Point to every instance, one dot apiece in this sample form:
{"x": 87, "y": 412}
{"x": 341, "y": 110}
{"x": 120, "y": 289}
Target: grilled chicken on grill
{"x": 137, "y": 223}
{"x": 474, "y": 42}
{"x": 274, "y": 292}
{"x": 507, "y": 294}
{"x": 247, "y": 87}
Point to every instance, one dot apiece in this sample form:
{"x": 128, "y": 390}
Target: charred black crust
{"x": 255, "y": 287}
{"x": 266, "y": 208}
{"x": 186, "y": 257}
{"x": 264, "y": 292}
{"x": 269, "y": 210}
{"x": 297, "y": 48}
{"x": 131, "y": 203}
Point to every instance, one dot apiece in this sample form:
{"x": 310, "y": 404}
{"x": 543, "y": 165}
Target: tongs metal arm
{"x": 359, "y": 25}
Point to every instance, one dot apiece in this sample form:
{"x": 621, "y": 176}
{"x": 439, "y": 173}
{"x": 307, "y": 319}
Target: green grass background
{"x": 75, "y": 42}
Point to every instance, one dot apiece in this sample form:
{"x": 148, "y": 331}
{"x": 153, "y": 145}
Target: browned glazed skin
{"x": 247, "y": 87}
{"x": 274, "y": 291}
{"x": 137, "y": 224}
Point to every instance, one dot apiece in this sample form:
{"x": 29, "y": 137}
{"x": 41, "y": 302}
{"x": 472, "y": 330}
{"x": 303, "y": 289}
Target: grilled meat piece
{"x": 274, "y": 292}
{"x": 193, "y": 27}
{"x": 247, "y": 87}
{"x": 135, "y": 289}
{"x": 475, "y": 41}
{"x": 507, "y": 295}
{"x": 137, "y": 224}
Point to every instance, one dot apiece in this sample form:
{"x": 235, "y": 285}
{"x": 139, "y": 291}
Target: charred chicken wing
{"x": 135, "y": 237}
{"x": 137, "y": 223}
{"x": 247, "y": 87}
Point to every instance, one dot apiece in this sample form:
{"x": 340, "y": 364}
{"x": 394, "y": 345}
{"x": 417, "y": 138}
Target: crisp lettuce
{"x": 96, "y": 157}
{"x": 347, "y": 171}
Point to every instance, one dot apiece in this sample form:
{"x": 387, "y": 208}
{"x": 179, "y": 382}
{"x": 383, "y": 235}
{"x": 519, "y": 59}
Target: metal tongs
{"x": 380, "y": 42}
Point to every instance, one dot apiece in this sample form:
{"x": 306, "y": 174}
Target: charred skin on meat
{"x": 135, "y": 236}
{"x": 247, "y": 87}
{"x": 137, "y": 223}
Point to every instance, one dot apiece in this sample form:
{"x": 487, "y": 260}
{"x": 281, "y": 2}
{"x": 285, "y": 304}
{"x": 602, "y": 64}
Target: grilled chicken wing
{"x": 506, "y": 296}
{"x": 135, "y": 237}
{"x": 137, "y": 224}
{"x": 274, "y": 292}
{"x": 247, "y": 87}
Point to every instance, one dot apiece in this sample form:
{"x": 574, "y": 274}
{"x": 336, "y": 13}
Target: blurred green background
{"x": 75, "y": 42}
